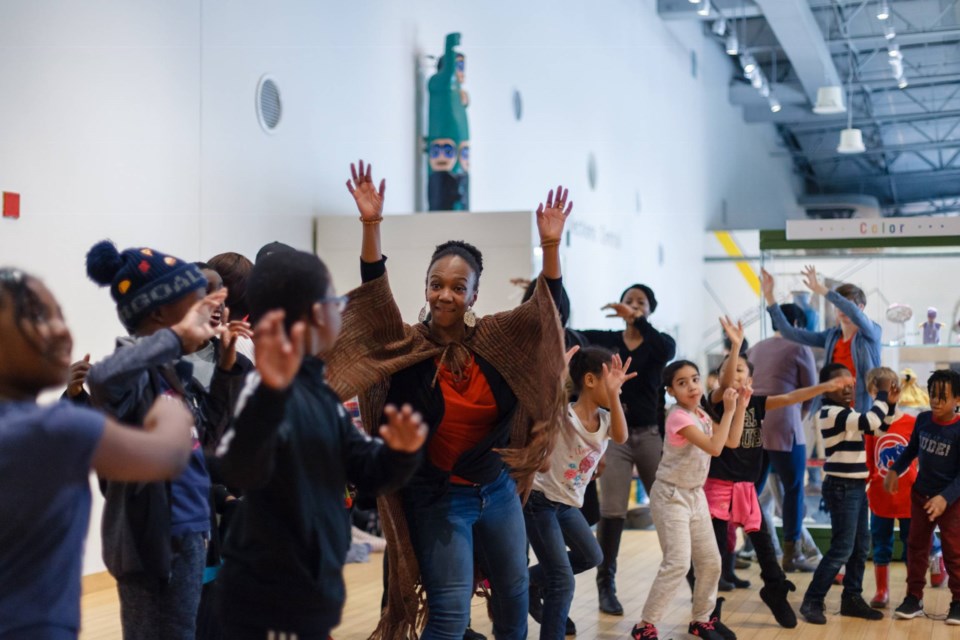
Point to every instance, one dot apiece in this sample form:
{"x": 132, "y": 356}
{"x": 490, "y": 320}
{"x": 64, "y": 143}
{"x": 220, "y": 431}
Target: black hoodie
{"x": 293, "y": 452}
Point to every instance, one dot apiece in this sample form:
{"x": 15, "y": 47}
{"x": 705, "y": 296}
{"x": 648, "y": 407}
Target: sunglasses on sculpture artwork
{"x": 446, "y": 150}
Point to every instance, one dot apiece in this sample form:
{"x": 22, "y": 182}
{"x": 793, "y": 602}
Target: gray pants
{"x": 685, "y": 531}
{"x": 642, "y": 449}
{"x": 155, "y": 610}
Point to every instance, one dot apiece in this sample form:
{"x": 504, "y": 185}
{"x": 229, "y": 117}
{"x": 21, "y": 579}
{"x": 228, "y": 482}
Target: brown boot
{"x": 882, "y": 597}
{"x": 793, "y": 559}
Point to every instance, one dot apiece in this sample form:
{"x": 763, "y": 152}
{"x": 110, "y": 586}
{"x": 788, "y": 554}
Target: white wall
{"x": 136, "y": 121}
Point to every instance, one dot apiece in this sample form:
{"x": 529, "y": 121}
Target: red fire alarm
{"x": 11, "y": 204}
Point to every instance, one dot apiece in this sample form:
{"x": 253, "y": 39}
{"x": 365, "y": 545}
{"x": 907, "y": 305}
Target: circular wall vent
{"x": 269, "y": 107}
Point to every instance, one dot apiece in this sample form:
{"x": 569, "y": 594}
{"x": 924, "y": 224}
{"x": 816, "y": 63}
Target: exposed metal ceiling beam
{"x": 834, "y": 124}
{"x": 913, "y": 147}
{"x": 802, "y": 40}
{"x": 904, "y": 39}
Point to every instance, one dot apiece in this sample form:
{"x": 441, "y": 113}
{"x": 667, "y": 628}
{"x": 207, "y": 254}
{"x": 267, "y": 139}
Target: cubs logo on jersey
{"x": 889, "y": 448}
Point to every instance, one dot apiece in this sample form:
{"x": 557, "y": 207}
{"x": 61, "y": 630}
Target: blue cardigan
{"x": 865, "y": 348}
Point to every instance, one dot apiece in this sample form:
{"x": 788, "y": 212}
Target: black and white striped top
{"x": 842, "y": 429}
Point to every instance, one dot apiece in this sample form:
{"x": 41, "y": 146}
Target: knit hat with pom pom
{"x": 141, "y": 280}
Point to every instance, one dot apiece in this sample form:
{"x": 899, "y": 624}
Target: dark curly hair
{"x": 941, "y": 380}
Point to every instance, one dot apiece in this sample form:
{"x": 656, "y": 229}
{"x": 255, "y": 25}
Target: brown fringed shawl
{"x": 525, "y": 345}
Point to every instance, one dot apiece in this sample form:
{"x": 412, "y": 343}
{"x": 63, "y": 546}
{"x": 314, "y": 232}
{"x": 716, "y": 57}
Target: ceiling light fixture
{"x": 888, "y": 31}
{"x": 902, "y": 83}
{"x": 883, "y": 13}
{"x": 705, "y": 8}
{"x": 829, "y": 101}
{"x": 748, "y": 63}
{"x": 719, "y": 27}
{"x": 851, "y": 140}
{"x": 774, "y": 104}
{"x": 893, "y": 50}
{"x": 733, "y": 44}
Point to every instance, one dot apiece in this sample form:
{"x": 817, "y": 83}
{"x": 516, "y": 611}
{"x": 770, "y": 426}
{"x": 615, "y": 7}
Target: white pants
{"x": 685, "y": 532}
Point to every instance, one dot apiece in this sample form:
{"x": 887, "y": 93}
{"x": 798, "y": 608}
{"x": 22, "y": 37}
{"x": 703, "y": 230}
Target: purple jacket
{"x": 780, "y": 366}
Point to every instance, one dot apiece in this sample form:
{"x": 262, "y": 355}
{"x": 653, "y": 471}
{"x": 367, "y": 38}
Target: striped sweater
{"x": 842, "y": 429}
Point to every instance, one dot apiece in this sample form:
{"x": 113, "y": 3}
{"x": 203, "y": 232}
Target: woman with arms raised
{"x": 491, "y": 390}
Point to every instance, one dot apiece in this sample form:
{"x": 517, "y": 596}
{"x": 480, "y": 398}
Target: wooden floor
{"x": 639, "y": 559}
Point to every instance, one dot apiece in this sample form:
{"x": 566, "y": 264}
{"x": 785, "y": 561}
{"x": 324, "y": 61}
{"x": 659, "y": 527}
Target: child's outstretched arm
{"x": 713, "y": 444}
{"x": 380, "y": 466}
{"x": 787, "y": 330}
{"x": 806, "y": 393}
{"x": 159, "y": 451}
{"x": 729, "y": 369}
{"x": 614, "y": 376}
{"x": 246, "y": 449}
{"x": 851, "y": 310}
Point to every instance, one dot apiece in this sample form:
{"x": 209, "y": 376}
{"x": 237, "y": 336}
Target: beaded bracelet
{"x": 376, "y": 220}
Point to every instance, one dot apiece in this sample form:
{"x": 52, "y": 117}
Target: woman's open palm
{"x": 552, "y": 217}
{"x": 369, "y": 199}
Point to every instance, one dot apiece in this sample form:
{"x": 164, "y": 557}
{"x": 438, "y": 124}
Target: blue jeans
{"x": 446, "y": 531}
{"x": 881, "y": 533}
{"x": 790, "y": 466}
{"x": 846, "y": 501}
{"x": 551, "y": 528}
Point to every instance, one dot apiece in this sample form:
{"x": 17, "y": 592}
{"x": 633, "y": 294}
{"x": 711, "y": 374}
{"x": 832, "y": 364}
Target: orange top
{"x": 842, "y": 355}
{"x": 470, "y": 414}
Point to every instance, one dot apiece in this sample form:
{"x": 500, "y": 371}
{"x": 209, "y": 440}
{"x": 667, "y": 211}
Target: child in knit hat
{"x": 154, "y": 535}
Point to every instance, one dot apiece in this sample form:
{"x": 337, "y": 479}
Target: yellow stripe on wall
{"x": 733, "y": 250}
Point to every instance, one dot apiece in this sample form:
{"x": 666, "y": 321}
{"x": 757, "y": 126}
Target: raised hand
{"x": 733, "y": 331}
{"x": 78, "y": 375}
{"x": 812, "y": 282}
{"x": 744, "y": 395}
{"x": 839, "y": 383}
{"x": 893, "y": 396}
{"x": 232, "y": 329}
{"x": 568, "y": 356}
{"x": 766, "y": 286}
{"x": 552, "y": 217}
{"x": 278, "y": 356}
{"x": 405, "y": 430}
{"x": 368, "y": 198}
{"x": 616, "y": 374}
{"x": 621, "y": 310}
{"x": 194, "y": 328}
{"x": 730, "y": 399}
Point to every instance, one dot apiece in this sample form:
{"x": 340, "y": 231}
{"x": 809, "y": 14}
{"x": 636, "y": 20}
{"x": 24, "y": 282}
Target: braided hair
{"x": 27, "y": 307}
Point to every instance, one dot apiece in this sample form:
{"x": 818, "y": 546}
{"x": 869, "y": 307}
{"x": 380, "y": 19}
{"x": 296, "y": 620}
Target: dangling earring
{"x": 470, "y": 318}
{"x": 423, "y": 313}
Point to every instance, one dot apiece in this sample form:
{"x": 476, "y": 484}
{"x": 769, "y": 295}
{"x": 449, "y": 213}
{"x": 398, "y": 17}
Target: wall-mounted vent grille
{"x": 269, "y": 107}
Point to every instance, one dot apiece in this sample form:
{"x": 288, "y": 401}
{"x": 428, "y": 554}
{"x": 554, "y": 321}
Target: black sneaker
{"x": 953, "y": 617}
{"x": 721, "y": 628}
{"x": 703, "y": 630}
{"x": 910, "y": 608}
{"x": 571, "y": 629}
{"x": 857, "y": 607}
{"x": 774, "y": 595}
{"x": 736, "y": 581}
{"x": 644, "y": 632}
{"x": 470, "y": 634}
{"x": 812, "y": 611}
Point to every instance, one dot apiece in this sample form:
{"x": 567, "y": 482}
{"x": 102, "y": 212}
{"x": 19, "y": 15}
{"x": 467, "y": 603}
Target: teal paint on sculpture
{"x": 448, "y": 134}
